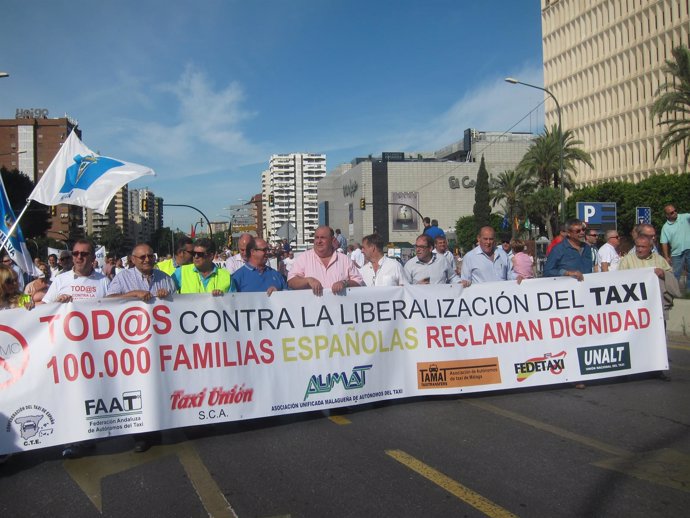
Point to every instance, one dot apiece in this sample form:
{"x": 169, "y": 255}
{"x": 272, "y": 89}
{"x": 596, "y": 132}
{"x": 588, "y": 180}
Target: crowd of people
{"x": 197, "y": 267}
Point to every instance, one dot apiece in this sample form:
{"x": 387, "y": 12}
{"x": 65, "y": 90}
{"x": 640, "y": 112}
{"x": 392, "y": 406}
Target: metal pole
{"x": 560, "y": 138}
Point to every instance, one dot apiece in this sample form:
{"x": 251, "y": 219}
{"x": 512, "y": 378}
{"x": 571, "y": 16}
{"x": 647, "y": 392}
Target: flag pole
{"x": 14, "y": 226}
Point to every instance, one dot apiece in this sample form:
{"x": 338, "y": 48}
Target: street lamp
{"x": 4, "y": 74}
{"x": 514, "y": 81}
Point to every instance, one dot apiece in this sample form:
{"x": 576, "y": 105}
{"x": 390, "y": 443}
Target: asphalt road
{"x": 618, "y": 448}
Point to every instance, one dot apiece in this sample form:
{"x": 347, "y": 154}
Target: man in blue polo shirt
{"x": 572, "y": 257}
{"x": 256, "y": 275}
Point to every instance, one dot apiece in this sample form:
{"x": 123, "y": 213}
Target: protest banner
{"x": 70, "y": 372}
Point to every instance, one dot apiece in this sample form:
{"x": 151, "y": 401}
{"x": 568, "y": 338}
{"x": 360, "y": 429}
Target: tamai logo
{"x": 129, "y": 403}
{"x": 433, "y": 376}
{"x": 604, "y": 358}
{"x": 553, "y": 363}
{"x": 319, "y": 384}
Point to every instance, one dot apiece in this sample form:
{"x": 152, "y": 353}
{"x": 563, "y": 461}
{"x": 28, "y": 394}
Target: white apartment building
{"x": 290, "y": 183}
{"x": 602, "y": 61}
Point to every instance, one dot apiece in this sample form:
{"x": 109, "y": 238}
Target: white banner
{"x": 70, "y": 372}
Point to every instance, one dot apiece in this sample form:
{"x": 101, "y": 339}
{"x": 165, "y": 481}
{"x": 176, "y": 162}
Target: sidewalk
{"x": 679, "y": 319}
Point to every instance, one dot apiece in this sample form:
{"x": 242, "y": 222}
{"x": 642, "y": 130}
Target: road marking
{"x": 665, "y": 467}
{"x": 455, "y": 488}
{"x": 88, "y": 472}
{"x": 338, "y": 419}
{"x": 572, "y": 436}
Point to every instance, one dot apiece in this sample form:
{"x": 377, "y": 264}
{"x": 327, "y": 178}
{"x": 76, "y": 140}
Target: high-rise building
{"x": 289, "y": 186}
{"x": 142, "y": 206}
{"x": 29, "y": 143}
{"x": 602, "y": 61}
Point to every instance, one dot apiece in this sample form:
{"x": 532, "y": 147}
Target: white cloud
{"x": 204, "y": 132}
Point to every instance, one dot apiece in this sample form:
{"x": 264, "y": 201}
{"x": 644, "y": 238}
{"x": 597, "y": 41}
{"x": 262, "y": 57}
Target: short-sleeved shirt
{"x": 677, "y": 234}
{"x": 608, "y": 254}
{"x": 478, "y": 267}
{"x": 389, "y": 273}
{"x": 80, "y": 288}
{"x": 437, "y": 270}
{"x": 133, "y": 280}
{"x": 250, "y": 278}
{"x": 234, "y": 263}
{"x": 340, "y": 268}
{"x": 632, "y": 262}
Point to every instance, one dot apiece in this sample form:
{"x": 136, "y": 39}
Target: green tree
{"x": 672, "y": 105}
{"x": 36, "y": 220}
{"x": 466, "y": 230}
{"x": 113, "y": 239}
{"x": 481, "y": 210}
{"x": 541, "y": 162}
{"x": 542, "y": 206}
{"x": 542, "y": 159}
{"x": 653, "y": 192}
{"x": 510, "y": 188}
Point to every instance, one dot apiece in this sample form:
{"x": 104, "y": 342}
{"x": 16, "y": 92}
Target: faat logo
{"x": 553, "y": 363}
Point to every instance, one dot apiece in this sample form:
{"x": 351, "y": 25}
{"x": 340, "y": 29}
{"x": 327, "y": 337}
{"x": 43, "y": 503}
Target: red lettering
{"x": 102, "y": 333}
{"x": 267, "y": 348}
{"x": 166, "y": 324}
{"x": 163, "y": 355}
{"x": 51, "y": 319}
{"x": 72, "y": 315}
{"x": 432, "y": 336}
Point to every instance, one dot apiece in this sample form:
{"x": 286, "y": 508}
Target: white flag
{"x": 15, "y": 245}
{"x": 78, "y": 176}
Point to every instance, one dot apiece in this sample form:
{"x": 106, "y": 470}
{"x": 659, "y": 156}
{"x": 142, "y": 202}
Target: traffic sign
{"x": 599, "y": 215}
{"x": 643, "y": 215}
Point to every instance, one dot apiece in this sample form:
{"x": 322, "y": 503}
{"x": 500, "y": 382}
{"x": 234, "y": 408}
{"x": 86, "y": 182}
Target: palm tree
{"x": 672, "y": 105}
{"x": 511, "y": 188}
{"x": 542, "y": 159}
{"x": 542, "y": 163}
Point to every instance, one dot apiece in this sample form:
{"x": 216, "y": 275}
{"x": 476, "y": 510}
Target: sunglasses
{"x": 261, "y": 249}
{"x": 593, "y": 235}
{"x": 142, "y": 257}
{"x": 199, "y": 254}
{"x": 81, "y": 254}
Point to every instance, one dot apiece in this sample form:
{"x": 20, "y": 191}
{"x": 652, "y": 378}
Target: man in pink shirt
{"x": 323, "y": 266}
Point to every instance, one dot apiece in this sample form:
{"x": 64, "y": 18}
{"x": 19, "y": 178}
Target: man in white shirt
{"x": 380, "y": 270}
{"x": 235, "y": 262}
{"x": 608, "y": 253}
{"x": 81, "y": 282}
{"x": 441, "y": 250}
{"x": 357, "y": 256}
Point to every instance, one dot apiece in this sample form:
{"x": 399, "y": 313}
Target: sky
{"x": 204, "y": 92}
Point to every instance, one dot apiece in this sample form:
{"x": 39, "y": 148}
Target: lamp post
{"x": 514, "y": 81}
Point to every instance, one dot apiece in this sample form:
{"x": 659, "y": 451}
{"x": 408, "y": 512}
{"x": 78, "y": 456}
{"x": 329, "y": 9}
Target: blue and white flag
{"x": 78, "y": 176}
{"x": 15, "y": 246}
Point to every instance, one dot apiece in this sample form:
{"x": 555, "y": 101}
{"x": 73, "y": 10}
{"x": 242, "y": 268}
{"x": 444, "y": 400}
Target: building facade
{"x": 290, "y": 187}
{"x": 29, "y": 143}
{"x": 397, "y": 190}
{"x": 602, "y": 61}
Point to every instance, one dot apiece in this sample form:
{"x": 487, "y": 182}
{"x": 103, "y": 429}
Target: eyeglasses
{"x": 578, "y": 230}
{"x": 592, "y": 235}
{"x": 261, "y": 249}
{"x": 421, "y": 246}
{"x": 196, "y": 254}
{"x": 650, "y": 236}
{"x": 190, "y": 252}
{"x": 81, "y": 254}
{"x": 150, "y": 257}
{"x": 615, "y": 237}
